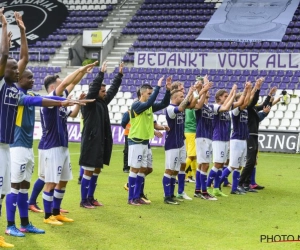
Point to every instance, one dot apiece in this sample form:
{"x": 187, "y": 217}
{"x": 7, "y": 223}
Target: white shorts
{"x": 204, "y": 150}
{"x": 4, "y": 168}
{"x": 55, "y": 165}
{"x": 22, "y": 164}
{"x": 220, "y": 151}
{"x": 175, "y": 157}
{"x": 149, "y": 158}
{"x": 137, "y": 155}
{"x": 238, "y": 153}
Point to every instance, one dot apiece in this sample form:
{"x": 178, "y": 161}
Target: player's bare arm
{"x": 24, "y": 57}
{"x": 82, "y": 71}
{"x": 184, "y": 103}
{"x": 4, "y": 43}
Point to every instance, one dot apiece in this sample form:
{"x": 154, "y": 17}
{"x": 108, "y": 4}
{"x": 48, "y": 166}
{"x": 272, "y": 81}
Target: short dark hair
{"x": 50, "y": 79}
{"x": 144, "y": 87}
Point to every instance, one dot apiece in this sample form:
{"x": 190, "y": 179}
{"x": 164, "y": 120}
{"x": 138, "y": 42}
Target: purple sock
{"x": 253, "y": 174}
{"x": 217, "y": 179}
{"x": 11, "y": 205}
{"x": 198, "y": 180}
{"x": 226, "y": 182}
{"x": 84, "y": 187}
{"x": 37, "y": 188}
{"x": 93, "y": 184}
{"x": 226, "y": 172}
{"x": 48, "y": 200}
{"x": 211, "y": 176}
{"x": 203, "y": 178}
{"x": 81, "y": 171}
{"x": 235, "y": 179}
{"x": 57, "y": 198}
{"x": 23, "y": 202}
{"x": 181, "y": 182}
{"x": 166, "y": 181}
{"x": 173, "y": 184}
{"x": 131, "y": 184}
{"x": 137, "y": 189}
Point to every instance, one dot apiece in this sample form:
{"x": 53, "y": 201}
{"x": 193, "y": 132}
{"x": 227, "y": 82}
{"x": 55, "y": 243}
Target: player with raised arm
{"x": 10, "y": 98}
{"x": 175, "y": 151}
{"x": 54, "y": 158}
{"x": 238, "y": 141}
{"x": 221, "y": 135}
{"x": 141, "y": 131}
{"x": 204, "y": 134}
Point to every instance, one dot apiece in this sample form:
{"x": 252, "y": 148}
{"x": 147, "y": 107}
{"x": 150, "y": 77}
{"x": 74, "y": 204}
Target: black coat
{"x": 96, "y": 140}
{"x": 253, "y": 118}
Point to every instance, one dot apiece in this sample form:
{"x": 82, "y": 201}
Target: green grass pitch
{"x": 235, "y": 222}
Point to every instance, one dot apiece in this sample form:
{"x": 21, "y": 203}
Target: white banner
{"x": 231, "y": 60}
{"x": 255, "y": 20}
{"x": 95, "y": 38}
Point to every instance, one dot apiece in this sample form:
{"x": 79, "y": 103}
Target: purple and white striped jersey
{"x": 174, "y": 137}
{"x": 9, "y": 100}
{"x": 221, "y": 124}
{"x": 204, "y": 120}
{"x": 54, "y": 125}
{"x": 240, "y": 124}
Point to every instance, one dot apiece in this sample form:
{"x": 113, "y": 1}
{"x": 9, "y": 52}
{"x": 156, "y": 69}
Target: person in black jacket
{"x": 252, "y": 141}
{"x": 96, "y": 141}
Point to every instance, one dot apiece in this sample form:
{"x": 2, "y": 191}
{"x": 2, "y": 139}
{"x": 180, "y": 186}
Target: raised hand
{"x": 19, "y": 21}
{"x": 273, "y": 91}
{"x": 208, "y": 86}
{"x": 169, "y": 83}
{"x": 248, "y": 85}
{"x": 89, "y": 67}
{"x": 234, "y": 87}
{"x": 266, "y": 109}
{"x": 104, "y": 67}
{"x": 259, "y": 82}
{"x": 159, "y": 83}
{"x": 121, "y": 68}
{"x": 158, "y": 134}
{"x": 205, "y": 79}
{"x": 82, "y": 96}
{"x": 2, "y": 17}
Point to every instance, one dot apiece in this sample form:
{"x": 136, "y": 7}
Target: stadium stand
{"x": 173, "y": 25}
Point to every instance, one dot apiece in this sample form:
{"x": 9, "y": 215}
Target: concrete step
{"x": 125, "y": 11}
{"x": 124, "y": 44}
{"x": 58, "y": 63}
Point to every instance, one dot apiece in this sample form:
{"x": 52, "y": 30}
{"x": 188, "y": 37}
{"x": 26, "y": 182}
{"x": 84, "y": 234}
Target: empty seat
{"x": 288, "y": 114}
{"x": 285, "y": 123}
{"x": 274, "y": 122}
{"x": 118, "y": 117}
{"x": 278, "y": 114}
{"x": 115, "y": 109}
{"x": 121, "y": 102}
{"x": 265, "y": 122}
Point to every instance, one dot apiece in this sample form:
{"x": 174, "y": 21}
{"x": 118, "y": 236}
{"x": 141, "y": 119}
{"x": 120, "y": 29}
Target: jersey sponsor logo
{"x": 22, "y": 168}
{"x": 225, "y": 116}
{"x": 180, "y": 118}
{"x": 63, "y": 112}
{"x": 48, "y": 16}
{"x": 207, "y": 113}
{"x": 11, "y": 96}
{"x": 244, "y": 116}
